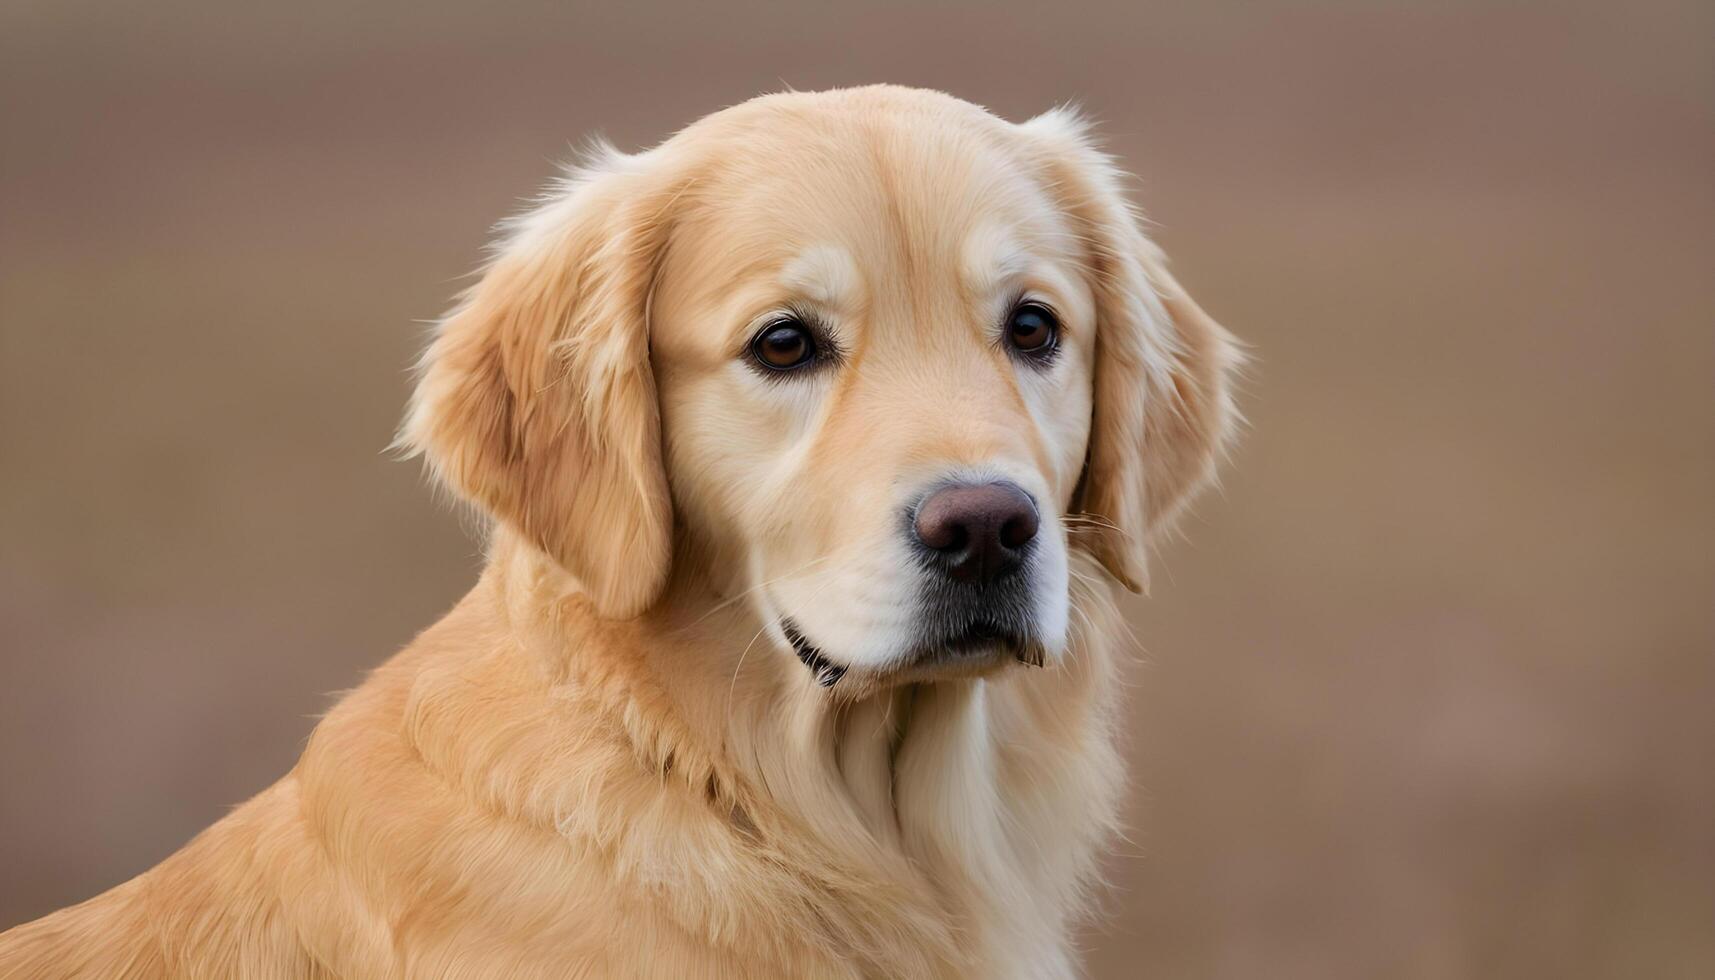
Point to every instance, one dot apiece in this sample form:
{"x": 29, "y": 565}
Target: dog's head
{"x": 877, "y": 359}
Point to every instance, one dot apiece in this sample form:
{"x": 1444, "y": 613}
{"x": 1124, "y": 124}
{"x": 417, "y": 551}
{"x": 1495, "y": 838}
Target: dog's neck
{"x": 937, "y": 796}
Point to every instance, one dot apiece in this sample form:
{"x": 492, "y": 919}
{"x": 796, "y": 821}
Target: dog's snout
{"x": 976, "y": 532}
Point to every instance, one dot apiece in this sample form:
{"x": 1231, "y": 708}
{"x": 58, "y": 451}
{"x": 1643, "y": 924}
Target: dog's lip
{"x": 959, "y": 652}
{"x": 826, "y": 672}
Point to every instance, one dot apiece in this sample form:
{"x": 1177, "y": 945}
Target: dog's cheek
{"x": 712, "y": 461}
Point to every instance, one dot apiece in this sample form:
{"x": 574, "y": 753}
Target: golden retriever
{"x": 815, "y": 441}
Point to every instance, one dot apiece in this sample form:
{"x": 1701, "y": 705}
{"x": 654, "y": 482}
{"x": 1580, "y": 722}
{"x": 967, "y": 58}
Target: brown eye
{"x": 1032, "y": 329}
{"x": 784, "y": 345}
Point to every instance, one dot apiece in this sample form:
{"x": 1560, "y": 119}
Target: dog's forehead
{"x": 896, "y": 181}
{"x": 840, "y": 210}
{"x": 991, "y": 258}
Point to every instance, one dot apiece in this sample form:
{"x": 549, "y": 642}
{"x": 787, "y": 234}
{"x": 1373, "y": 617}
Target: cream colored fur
{"x": 606, "y": 761}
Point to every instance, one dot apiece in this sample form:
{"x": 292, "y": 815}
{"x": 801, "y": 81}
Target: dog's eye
{"x": 784, "y": 345}
{"x": 1033, "y": 330}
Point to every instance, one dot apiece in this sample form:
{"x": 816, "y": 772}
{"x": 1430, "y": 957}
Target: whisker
{"x": 732, "y": 685}
{"x": 736, "y": 597}
{"x": 1081, "y": 520}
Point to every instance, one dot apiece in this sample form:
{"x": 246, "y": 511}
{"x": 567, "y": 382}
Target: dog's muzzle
{"x": 974, "y": 605}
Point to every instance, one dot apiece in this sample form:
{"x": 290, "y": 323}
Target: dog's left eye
{"x": 784, "y": 345}
{"x": 1033, "y": 330}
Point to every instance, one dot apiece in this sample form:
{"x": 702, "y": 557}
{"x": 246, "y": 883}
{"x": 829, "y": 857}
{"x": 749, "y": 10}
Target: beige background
{"x": 1428, "y": 690}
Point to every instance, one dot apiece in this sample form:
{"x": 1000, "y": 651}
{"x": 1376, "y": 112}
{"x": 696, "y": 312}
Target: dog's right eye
{"x": 785, "y": 344}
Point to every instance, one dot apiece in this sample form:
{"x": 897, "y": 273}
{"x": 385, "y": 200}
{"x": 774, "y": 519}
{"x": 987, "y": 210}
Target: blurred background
{"x": 1427, "y": 691}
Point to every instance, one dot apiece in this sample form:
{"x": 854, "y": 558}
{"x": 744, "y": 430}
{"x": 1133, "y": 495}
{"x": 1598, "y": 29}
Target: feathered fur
{"x": 605, "y": 761}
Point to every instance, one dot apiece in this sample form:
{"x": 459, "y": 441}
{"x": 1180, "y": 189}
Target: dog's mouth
{"x": 970, "y": 648}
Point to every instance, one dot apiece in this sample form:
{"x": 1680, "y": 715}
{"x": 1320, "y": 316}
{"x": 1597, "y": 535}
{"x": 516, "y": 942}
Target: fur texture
{"x": 606, "y": 760}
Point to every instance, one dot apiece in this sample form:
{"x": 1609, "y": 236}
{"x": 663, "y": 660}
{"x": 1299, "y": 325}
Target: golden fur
{"x": 606, "y": 761}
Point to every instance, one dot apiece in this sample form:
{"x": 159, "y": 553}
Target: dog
{"x": 815, "y": 444}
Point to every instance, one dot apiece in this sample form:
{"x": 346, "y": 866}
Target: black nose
{"x": 976, "y": 532}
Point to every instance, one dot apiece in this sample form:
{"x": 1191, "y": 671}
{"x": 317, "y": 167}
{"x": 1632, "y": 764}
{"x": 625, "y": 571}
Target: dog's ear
{"x": 535, "y": 400}
{"x": 1163, "y": 368}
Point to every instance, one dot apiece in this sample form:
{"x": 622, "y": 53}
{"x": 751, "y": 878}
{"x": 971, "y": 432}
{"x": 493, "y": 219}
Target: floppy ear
{"x": 1163, "y": 401}
{"x": 535, "y": 401}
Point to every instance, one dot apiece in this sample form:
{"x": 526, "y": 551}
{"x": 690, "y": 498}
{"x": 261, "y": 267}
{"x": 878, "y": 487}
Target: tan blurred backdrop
{"x": 1428, "y": 690}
